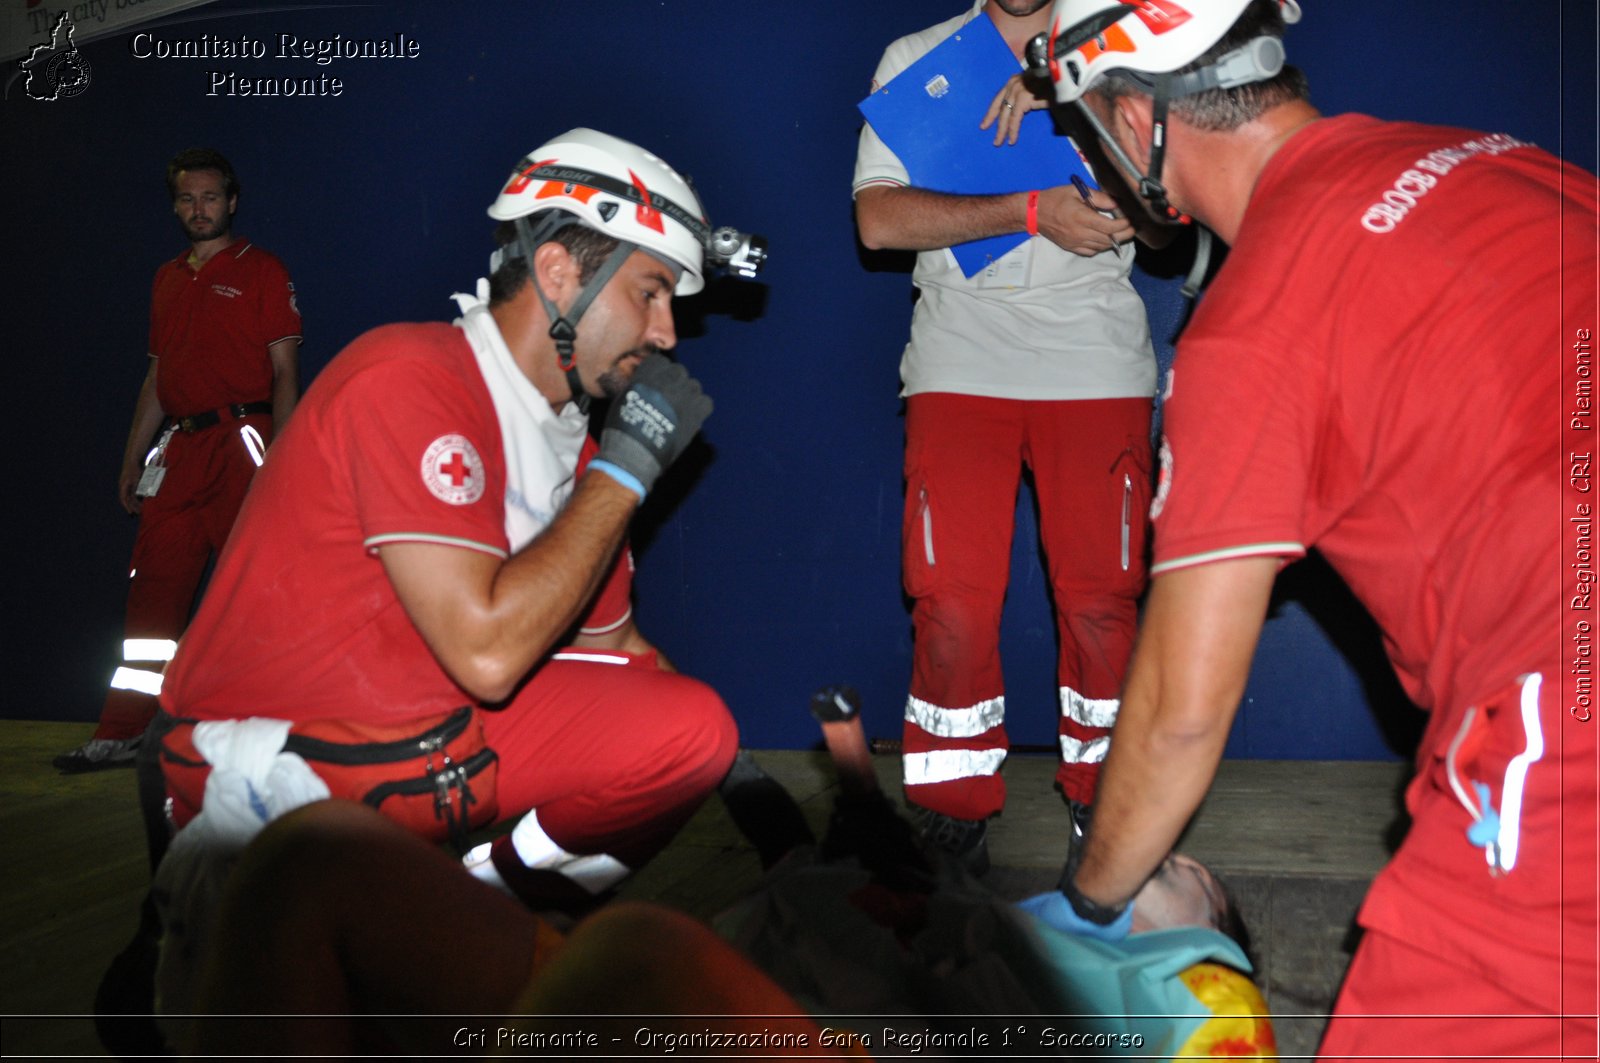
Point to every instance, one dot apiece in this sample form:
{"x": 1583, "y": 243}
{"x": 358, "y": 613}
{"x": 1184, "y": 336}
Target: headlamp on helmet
{"x": 742, "y": 254}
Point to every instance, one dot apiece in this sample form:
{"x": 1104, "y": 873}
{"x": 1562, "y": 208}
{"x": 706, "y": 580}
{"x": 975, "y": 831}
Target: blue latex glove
{"x": 1053, "y": 909}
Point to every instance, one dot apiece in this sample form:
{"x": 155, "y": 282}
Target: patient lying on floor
{"x": 870, "y": 921}
{"x": 1184, "y": 892}
{"x": 866, "y": 923}
{"x": 336, "y": 912}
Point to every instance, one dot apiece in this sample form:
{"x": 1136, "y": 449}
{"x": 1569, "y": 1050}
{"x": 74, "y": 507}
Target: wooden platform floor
{"x": 1298, "y": 841}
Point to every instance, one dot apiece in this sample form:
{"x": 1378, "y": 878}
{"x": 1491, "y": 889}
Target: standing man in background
{"x": 224, "y": 351}
{"x": 1042, "y": 360}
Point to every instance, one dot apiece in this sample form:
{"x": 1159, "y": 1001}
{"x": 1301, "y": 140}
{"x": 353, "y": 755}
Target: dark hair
{"x": 201, "y": 159}
{"x": 1220, "y": 110}
{"x": 1231, "y": 921}
{"x": 589, "y": 248}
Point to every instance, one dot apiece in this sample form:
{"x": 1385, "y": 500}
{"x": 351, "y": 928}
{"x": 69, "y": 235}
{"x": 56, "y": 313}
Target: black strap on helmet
{"x": 1150, "y": 185}
{"x": 564, "y": 324}
{"x": 1257, "y": 60}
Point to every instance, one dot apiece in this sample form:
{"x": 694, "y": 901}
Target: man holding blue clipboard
{"x": 1029, "y": 347}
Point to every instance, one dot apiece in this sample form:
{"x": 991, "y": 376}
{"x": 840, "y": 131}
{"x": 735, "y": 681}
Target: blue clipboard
{"x": 929, "y": 114}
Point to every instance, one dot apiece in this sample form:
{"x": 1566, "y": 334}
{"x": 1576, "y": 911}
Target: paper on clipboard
{"x": 929, "y": 115}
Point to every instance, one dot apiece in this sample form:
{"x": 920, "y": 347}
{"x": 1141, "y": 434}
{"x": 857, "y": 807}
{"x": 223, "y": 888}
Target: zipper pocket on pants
{"x": 1127, "y": 515}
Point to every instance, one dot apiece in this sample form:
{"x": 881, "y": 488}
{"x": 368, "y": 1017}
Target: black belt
{"x": 196, "y": 422}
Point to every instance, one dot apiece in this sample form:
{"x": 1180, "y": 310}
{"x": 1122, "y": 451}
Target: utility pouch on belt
{"x": 437, "y": 782}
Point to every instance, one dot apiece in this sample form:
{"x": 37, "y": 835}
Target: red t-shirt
{"x": 211, "y": 329}
{"x": 397, "y": 440}
{"x": 1376, "y": 373}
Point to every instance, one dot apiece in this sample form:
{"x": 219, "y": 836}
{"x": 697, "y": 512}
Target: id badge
{"x": 155, "y": 467}
{"x": 1010, "y": 270}
{"x": 150, "y": 481}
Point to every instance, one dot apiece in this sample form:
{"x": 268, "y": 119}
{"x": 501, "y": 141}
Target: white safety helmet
{"x": 618, "y": 188}
{"x": 604, "y": 183}
{"x": 1145, "y": 41}
{"x": 1090, "y": 38}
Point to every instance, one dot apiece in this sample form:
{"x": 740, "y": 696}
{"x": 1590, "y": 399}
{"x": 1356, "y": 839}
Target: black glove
{"x": 651, "y": 423}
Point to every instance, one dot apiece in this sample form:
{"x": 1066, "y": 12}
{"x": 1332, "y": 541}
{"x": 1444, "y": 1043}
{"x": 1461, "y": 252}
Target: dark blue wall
{"x": 770, "y": 565}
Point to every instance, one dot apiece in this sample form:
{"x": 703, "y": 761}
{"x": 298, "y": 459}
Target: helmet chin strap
{"x": 1150, "y": 186}
{"x": 564, "y": 325}
{"x": 1256, "y": 60}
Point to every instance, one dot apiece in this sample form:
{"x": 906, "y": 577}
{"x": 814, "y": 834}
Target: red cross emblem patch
{"x": 1164, "y": 482}
{"x": 453, "y": 471}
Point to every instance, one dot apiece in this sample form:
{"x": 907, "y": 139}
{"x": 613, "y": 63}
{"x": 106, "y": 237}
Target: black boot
{"x": 125, "y": 1001}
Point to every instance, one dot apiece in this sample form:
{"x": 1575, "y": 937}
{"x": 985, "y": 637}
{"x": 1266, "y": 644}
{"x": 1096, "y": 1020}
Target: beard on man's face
{"x": 199, "y": 229}
{"x": 615, "y": 380}
{"x": 1021, "y": 8}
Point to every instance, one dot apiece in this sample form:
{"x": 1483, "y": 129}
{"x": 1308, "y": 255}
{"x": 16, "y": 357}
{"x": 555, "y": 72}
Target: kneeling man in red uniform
{"x": 425, "y": 604}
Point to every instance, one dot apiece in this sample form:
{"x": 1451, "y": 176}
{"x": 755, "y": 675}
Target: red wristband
{"x": 1033, "y": 213}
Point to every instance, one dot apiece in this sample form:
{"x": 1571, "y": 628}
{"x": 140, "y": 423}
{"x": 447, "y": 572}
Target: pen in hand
{"x": 1083, "y": 190}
